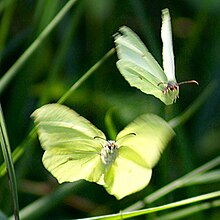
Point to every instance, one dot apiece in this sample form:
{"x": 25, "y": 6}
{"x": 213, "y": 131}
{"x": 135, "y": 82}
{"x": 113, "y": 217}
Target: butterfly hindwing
{"x": 74, "y": 161}
{"x": 146, "y": 82}
{"x": 126, "y": 176}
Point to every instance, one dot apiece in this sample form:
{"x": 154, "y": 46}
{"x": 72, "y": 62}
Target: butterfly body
{"x": 170, "y": 86}
{"x": 109, "y": 152}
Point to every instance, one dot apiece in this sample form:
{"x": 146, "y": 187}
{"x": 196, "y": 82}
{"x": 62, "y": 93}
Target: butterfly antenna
{"x": 187, "y": 82}
{"x": 161, "y": 83}
{"x": 99, "y": 138}
{"x": 127, "y": 135}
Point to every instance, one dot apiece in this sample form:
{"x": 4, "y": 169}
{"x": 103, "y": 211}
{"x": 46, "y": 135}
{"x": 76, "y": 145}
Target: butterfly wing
{"x": 147, "y": 83}
{"x": 71, "y": 150}
{"x": 140, "y": 145}
{"x": 168, "y": 57}
{"x": 59, "y": 124}
{"x": 74, "y": 161}
{"x": 127, "y": 174}
{"x": 129, "y": 47}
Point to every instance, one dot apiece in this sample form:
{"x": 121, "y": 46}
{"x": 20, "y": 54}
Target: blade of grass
{"x": 6, "y": 150}
{"x": 62, "y": 50}
{"x": 206, "y": 178}
{"x": 18, "y": 152}
{"x": 125, "y": 215}
{"x": 10, "y": 74}
{"x": 85, "y": 76}
{"x": 46, "y": 13}
{"x": 181, "y": 182}
{"x": 180, "y": 214}
{"x": 32, "y": 134}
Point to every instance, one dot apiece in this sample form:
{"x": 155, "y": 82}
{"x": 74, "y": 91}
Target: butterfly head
{"x": 170, "y": 86}
{"x": 174, "y": 87}
{"x": 109, "y": 152}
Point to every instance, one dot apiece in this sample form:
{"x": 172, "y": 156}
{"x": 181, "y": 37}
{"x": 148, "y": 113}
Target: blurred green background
{"x": 80, "y": 40}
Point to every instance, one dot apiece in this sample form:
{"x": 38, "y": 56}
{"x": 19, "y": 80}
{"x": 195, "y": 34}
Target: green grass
{"x": 62, "y": 51}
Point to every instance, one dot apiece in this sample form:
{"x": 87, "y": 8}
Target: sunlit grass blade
{"x": 44, "y": 13}
{"x": 206, "y": 178}
{"x": 6, "y": 150}
{"x": 85, "y": 76}
{"x": 178, "y": 183}
{"x": 126, "y": 215}
{"x": 32, "y": 134}
{"x": 62, "y": 50}
{"x": 185, "y": 212}
{"x": 18, "y": 152}
{"x": 10, "y": 74}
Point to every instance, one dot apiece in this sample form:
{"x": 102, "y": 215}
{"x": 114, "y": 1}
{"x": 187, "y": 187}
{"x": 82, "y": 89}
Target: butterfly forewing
{"x": 131, "y": 48}
{"x": 57, "y": 123}
{"x": 168, "y": 57}
{"x": 128, "y": 37}
{"x": 152, "y": 134}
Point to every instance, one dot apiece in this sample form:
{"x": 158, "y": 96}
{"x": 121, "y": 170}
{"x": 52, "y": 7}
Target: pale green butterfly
{"x": 141, "y": 70}
{"x": 75, "y": 149}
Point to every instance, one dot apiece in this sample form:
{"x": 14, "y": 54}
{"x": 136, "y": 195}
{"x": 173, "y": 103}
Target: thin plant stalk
{"x": 6, "y": 150}
{"x": 85, "y": 76}
{"x": 185, "y": 212}
{"x": 181, "y": 182}
{"x": 126, "y": 215}
{"x": 11, "y": 73}
{"x": 38, "y": 207}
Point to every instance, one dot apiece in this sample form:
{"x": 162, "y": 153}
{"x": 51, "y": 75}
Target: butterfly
{"x": 140, "y": 68}
{"x": 75, "y": 149}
